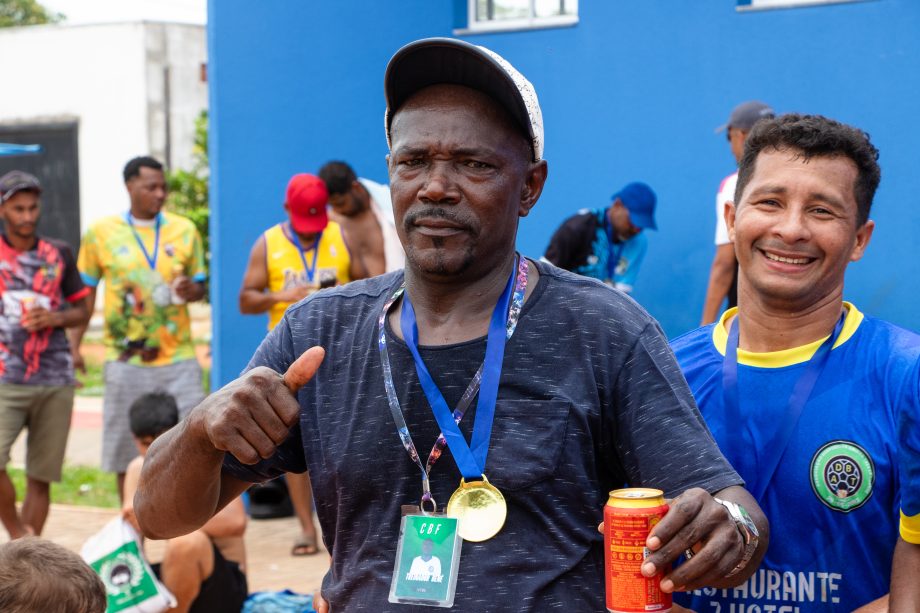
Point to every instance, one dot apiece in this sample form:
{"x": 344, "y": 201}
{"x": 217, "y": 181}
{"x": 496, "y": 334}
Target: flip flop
{"x": 304, "y": 546}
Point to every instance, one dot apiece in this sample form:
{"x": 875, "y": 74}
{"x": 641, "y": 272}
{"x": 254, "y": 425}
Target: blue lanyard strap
{"x": 614, "y": 249}
{"x": 151, "y": 260}
{"x": 471, "y": 459}
{"x": 311, "y": 269}
{"x": 517, "y": 301}
{"x": 772, "y": 450}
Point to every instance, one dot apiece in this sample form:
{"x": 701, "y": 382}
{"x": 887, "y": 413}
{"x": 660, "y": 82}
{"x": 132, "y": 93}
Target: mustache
{"x": 433, "y": 212}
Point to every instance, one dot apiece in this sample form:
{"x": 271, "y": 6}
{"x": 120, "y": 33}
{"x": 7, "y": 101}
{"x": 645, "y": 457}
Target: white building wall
{"x": 105, "y": 77}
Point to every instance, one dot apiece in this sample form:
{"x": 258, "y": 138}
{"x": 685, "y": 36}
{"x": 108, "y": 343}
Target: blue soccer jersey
{"x": 909, "y": 455}
{"x": 833, "y": 498}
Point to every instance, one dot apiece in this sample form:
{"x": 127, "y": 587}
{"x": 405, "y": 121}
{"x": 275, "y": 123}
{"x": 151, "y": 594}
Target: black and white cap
{"x": 18, "y": 181}
{"x": 432, "y": 61}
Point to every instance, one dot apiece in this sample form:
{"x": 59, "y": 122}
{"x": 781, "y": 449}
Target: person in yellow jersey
{"x": 152, "y": 265}
{"x": 288, "y": 262}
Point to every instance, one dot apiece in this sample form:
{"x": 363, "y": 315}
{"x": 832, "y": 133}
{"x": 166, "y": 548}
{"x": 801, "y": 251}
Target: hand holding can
{"x": 629, "y": 516}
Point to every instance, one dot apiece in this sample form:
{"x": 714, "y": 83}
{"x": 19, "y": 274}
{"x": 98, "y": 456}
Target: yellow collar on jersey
{"x": 784, "y": 357}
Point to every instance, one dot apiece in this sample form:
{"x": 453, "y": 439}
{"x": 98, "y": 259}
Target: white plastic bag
{"x": 131, "y": 587}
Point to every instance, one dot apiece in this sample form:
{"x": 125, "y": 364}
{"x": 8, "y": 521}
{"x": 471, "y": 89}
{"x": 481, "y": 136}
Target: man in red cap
{"x": 288, "y": 262}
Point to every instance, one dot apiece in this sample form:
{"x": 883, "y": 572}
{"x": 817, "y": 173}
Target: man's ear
{"x": 729, "y": 215}
{"x": 863, "y": 236}
{"x": 533, "y": 186}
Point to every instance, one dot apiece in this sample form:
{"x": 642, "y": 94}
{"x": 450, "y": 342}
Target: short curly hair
{"x": 811, "y": 136}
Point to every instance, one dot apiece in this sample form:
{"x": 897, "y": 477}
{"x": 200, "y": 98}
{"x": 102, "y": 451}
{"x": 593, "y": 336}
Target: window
{"x": 753, "y": 5}
{"x": 494, "y": 15}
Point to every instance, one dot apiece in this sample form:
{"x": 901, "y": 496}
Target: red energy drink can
{"x": 629, "y": 516}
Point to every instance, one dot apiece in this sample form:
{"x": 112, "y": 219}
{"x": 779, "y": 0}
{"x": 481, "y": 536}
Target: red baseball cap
{"x": 306, "y": 200}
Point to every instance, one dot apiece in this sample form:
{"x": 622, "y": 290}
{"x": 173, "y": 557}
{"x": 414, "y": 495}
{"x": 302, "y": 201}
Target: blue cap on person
{"x": 639, "y": 200}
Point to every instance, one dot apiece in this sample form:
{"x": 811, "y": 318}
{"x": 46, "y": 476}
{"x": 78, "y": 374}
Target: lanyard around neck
{"x": 772, "y": 450}
{"x": 311, "y": 269}
{"x": 513, "y": 315}
{"x": 151, "y": 260}
{"x": 614, "y": 248}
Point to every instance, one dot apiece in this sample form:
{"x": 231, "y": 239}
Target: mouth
{"x": 788, "y": 260}
{"x": 438, "y": 227}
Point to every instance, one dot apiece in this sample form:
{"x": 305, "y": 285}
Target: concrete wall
{"x": 632, "y": 92}
{"x": 108, "y": 78}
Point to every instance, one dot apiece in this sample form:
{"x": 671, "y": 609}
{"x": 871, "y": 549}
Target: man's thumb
{"x": 303, "y": 368}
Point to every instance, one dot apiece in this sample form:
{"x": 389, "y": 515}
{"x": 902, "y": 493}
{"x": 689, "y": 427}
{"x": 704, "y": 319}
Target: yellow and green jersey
{"x": 287, "y": 262}
{"x": 145, "y": 323}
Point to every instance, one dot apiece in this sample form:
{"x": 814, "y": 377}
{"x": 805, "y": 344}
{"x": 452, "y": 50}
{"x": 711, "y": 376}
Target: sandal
{"x": 304, "y": 546}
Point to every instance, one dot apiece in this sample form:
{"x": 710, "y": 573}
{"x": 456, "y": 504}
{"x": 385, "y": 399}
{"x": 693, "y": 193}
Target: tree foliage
{"x": 25, "y": 13}
{"x": 188, "y": 188}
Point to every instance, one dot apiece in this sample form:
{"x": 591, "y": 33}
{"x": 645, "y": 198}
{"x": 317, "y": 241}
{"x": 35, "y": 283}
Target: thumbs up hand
{"x": 252, "y": 415}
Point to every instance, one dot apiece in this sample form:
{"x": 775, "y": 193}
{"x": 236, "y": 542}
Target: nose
{"x": 791, "y": 226}
{"x": 439, "y": 186}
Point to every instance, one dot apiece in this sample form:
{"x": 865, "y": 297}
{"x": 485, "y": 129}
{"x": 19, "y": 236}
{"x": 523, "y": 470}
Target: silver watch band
{"x": 748, "y": 530}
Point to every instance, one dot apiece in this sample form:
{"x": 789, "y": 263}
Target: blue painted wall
{"x": 633, "y": 92}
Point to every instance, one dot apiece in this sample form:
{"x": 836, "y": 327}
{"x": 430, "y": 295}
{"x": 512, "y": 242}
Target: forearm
{"x": 180, "y": 487}
{"x": 76, "y": 317}
{"x": 75, "y": 333}
{"x": 253, "y": 301}
{"x": 720, "y": 281}
{"x": 905, "y": 570}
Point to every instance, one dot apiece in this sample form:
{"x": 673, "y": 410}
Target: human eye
{"x": 822, "y": 211}
{"x": 410, "y": 161}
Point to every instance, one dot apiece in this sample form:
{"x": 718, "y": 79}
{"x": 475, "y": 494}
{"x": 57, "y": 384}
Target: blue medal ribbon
{"x": 151, "y": 260}
{"x": 470, "y": 459}
{"x": 797, "y": 401}
{"x": 311, "y": 269}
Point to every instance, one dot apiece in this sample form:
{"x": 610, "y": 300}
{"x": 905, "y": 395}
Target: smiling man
{"x": 527, "y": 469}
{"x": 800, "y": 389}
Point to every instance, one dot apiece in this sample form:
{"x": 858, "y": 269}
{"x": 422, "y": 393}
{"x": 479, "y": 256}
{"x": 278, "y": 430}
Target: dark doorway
{"x": 58, "y": 170}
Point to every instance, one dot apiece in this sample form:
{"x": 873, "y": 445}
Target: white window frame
{"x": 770, "y": 5}
{"x": 473, "y": 26}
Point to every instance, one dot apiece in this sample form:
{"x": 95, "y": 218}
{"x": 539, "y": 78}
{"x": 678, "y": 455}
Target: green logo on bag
{"x": 842, "y": 475}
{"x": 127, "y": 582}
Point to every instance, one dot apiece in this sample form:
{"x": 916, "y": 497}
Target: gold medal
{"x": 481, "y": 509}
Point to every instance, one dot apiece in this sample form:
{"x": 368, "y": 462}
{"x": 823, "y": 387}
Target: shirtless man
{"x": 206, "y": 569}
{"x": 364, "y": 211}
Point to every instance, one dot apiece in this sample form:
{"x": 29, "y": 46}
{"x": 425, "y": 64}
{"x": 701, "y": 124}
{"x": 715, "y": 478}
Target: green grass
{"x": 93, "y": 384}
{"x": 91, "y": 379}
{"x": 81, "y": 485}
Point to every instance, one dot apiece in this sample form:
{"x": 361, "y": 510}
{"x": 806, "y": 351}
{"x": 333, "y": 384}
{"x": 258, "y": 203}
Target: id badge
{"x": 427, "y": 561}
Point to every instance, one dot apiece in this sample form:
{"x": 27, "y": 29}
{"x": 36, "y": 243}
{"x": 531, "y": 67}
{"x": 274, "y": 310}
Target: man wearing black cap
{"x": 723, "y": 274}
{"x": 575, "y": 388}
{"x": 607, "y": 244}
{"x": 38, "y": 277}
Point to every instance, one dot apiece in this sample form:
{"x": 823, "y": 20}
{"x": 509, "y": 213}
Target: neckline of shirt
{"x": 784, "y": 357}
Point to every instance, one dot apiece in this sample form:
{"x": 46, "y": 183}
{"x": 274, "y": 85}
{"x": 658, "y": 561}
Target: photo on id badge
{"x": 427, "y": 560}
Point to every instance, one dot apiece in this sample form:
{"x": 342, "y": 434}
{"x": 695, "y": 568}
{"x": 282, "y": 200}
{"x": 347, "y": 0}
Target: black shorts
{"x": 224, "y": 591}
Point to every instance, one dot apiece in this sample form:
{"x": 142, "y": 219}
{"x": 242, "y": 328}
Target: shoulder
{"x": 107, "y": 224}
{"x": 692, "y": 343}
{"x": 177, "y": 222}
{"x": 589, "y": 300}
{"x": 729, "y": 183}
{"x": 350, "y": 300}
{"x": 60, "y": 246}
{"x": 887, "y": 341}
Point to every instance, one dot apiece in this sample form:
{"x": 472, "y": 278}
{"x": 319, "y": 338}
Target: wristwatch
{"x": 749, "y": 534}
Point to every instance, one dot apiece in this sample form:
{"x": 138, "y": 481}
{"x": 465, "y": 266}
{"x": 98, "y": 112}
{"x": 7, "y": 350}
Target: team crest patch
{"x": 842, "y": 475}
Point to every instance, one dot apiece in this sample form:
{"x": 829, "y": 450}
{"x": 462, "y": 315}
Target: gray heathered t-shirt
{"x": 590, "y": 399}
